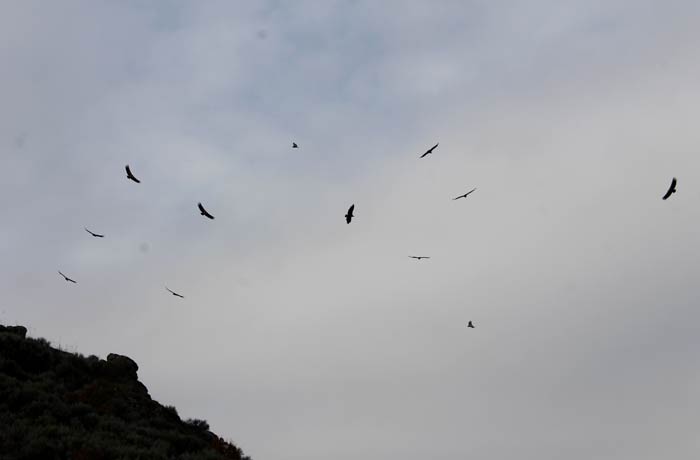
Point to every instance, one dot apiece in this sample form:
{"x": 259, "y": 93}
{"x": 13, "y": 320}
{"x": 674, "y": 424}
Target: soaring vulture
{"x": 131, "y": 176}
{"x": 349, "y": 216}
{"x": 671, "y": 189}
{"x": 465, "y": 195}
{"x": 203, "y": 211}
{"x": 430, "y": 150}
{"x": 66, "y": 278}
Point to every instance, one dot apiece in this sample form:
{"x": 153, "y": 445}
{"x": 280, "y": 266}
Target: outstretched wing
{"x": 671, "y": 189}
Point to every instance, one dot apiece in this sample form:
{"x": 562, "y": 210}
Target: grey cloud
{"x": 301, "y": 336}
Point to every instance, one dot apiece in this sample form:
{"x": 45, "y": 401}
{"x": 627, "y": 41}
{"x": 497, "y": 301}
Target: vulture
{"x": 66, "y": 278}
{"x": 430, "y": 150}
{"x": 349, "y": 216}
{"x": 465, "y": 195}
{"x": 419, "y": 257}
{"x": 131, "y": 176}
{"x": 96, "y": 235}
{"x": 671, "y": 189}
{"x": 294, "y": 145}
{"x": 470, "y": 325}
{"x": 174, "y": 293}
{"x": 203, "y": 211}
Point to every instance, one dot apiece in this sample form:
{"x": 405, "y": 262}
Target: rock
{"x": 121, "y": 366}
{"x": 17, "y": 330}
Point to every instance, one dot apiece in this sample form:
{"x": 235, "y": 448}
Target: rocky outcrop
{"x": 17, "y": 330}
{"x": 120, "y": 366}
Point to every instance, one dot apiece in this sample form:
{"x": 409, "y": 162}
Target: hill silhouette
{"x": 56, "y": 405}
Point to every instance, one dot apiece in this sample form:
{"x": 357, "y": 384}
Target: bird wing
{"x": 351, "y": 209}
{"x": 89, "y": 231}
{"x": 470, "y": 191}
{"x": 59, "y": 272}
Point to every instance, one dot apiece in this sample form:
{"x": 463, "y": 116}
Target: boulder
{"x": 121, "y": 366}
{"x": 17, "y": 330}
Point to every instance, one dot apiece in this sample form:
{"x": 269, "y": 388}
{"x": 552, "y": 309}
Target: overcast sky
{"x": 301, "y": 337}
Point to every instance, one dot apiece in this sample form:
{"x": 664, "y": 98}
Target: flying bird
{"x": 294, "y": 145}
{"x": 96, "y": 235}
{"x": 470, "y": 325}
{"x": 671, "y": 189}
{"x": 349, "y": 216}
{"x": 203, "y": 211}
{"x": 66, "y": 278}
{"x": 419, "y": 257}
{"x": 131, "y": 176}
{"x": 174, "y": 293}
{"x": 465, "y": 195}
{"x": 430, "y": 150}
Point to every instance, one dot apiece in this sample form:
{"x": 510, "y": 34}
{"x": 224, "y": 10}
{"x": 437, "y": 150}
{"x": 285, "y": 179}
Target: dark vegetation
{"x": 56, "y": 405}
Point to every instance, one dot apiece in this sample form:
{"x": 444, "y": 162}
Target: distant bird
{"x": 66, "y": 278}
{"x": 465, "y": 195}
{"x": 203, "y": 211}
{"x": 470, "y": 325}
{"x": 671, "y": 189}
{"x": 349, "y": 216}
{"x": 96, "y": 235}
{"x": 294, "y": 145}
{"x": 430, "y": 150}
{"x": 131, "y": 176}
{"x": 174, "y": 293}
{"x": 419, "y": 257}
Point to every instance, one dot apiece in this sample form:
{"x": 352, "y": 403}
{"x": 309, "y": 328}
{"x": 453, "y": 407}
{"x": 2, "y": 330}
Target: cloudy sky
{"x": 301, "y": 337}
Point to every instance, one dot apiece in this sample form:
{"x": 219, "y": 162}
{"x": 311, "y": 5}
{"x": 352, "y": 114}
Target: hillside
{"x": 59, "y": 405}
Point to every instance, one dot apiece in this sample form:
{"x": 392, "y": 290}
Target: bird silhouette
{"x": 470, "y": 325}
{"x": 349, "y": 216}
{"x": 430, "y": 150}
{"x": 465, "y": 195}
{"x": 96, "y": 235}
{"x": 66, "y": 278}
{"x": 131, "y": 176}
{"x": 174, "y": 293}
{"x": 671, "y": 189}
{"x": 203, "y": 211}
{"x": 419, "y": 257}
{"x": 294, "y": 145}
